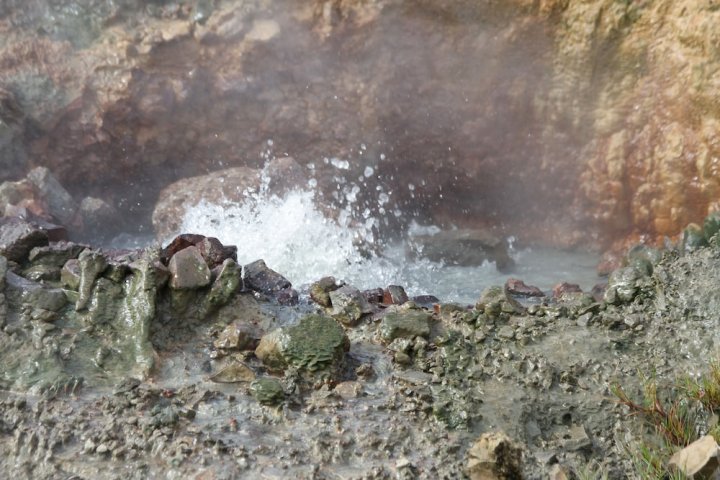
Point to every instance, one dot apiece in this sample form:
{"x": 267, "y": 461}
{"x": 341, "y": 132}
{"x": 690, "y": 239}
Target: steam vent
{"x": 359, "y": 239}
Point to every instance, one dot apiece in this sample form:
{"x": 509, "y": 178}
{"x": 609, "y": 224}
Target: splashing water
{"x": 294, "y": 238}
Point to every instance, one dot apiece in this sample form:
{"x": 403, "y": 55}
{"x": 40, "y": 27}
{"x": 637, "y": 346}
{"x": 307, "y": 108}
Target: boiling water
{"x": 294, "y": 238}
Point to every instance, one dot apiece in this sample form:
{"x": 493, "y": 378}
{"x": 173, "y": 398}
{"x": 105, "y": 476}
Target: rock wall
{"x": 567, "y": 121}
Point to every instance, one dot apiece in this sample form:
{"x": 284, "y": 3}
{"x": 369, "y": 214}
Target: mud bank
{"x": 178, "y": 362}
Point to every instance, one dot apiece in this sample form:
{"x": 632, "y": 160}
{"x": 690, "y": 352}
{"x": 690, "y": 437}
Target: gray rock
{"x": 26, "y": 292}
{"x": 60, "y": 203}
{"x": 70, "y": 275}
{"x": 576, "y": 438}
{"x": 397, "y": 294}
{"x": 506, "y": 332}
{"x": 622, "y": 285}
{"x": 405, "y": 324}
{"x": 18, "y": 237}
{"x": 91, "y": 265}
{"x": 55, "y": 254}
{"x": 261, "y": 278}
{"x": 348, "y": 305}
{"x": 188, "y": 270}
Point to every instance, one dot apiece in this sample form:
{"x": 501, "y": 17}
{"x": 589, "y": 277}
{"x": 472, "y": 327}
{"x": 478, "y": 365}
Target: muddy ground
{"x": 404, "y": 395}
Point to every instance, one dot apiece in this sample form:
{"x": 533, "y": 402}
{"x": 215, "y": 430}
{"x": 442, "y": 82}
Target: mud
{"x": 142, "y": 381}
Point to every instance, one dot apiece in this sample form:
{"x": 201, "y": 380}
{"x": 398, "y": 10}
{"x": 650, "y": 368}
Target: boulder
{"x": 494, "y": 456}
{"x": 317, "y": 344}
{"x": 217, "y": 187}
{"x": 495, "y": 301}
{"x": 188, "y": 270}
{"x": 394, "y": 295}
{"x": 699, "y": 460}
{"x": 565, "y": 288}
{"x": 25, "y": 292}
{"x": 61, "y": 204}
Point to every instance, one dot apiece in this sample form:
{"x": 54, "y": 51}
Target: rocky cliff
{"x": 572, "y": 122}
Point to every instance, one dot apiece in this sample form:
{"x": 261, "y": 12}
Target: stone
{"x": 462, "y": 247}
{"x": 564, "y": 288}
{"x": 494, "y": 456}
{"x": 425, "y": 301}
{"x": 70, "y": 275}
{"x": 622, "y": 285}
{"x": 320, "y": 291}
{"x": 18, "y": 237}
{"x": 507, "y": 332}
{"x": 693, "y": 238}
{"x": 56, "y": 254}
{"x": 515, "y": 286}
{"x": 261, "y": 278}
{"x": 349, "y": 389}
{"x": 233, "y": 372}
{"x": 558, "y": 472}
{"x": 405, "y": 324}
{"x": 188, "y": 270}
{"x": 711, "y": 225}
{"x": 348, "y": 305}
{"x": 227, "y": 281}
{"x": 214, "y": 252}
{"x": 238, "y": 336}
{"x": 91, "y": 265}
{"x": 495, "y": 301}
{"x": 216, "y": 187}
{"x": 61, "y": 204}
{"x": 576, "y": 438}
{"x": 699, "y": 460}
{"x": 267, "y": 391}
{"x": 316, "y": 344}
{"x": 395, "y": 295}
{"x": 26, "y": 292}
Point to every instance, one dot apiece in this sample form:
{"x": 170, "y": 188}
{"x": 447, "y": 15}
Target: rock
{"x": 287, "y": 296}
{"x": 267, "y": 391}
{"x": 238, "y": 336}
{"x": 711, "y": 225}
{"x": 320, "y": 291}
{"x": 699, "y": 460}
{"x": 426, "y": 301}
{"x": 188, "y": 270}
{"x": 261, "y": 278}
{"x": 56, "y": 254}
{"x": 462, "y": 247}
{"x": 214, "y": 252}
{"x": 60, "y": 203}
{"x": 283, "y": 174}
{"x": 26, "y": 292}
{"x": 348, "y": 305}
{"x": 622, "y": 285}
{"x": 576, "y": 438}
{"x": 507, "y": 332}
{"x": 374, "y": 296}
{"x": 233, "y": 372}
{"x": 558, "y": 472}
{"x": 564, "y": 288}
{"x": 216, "y": 187}
{"x": 70, "y": 275}
{"x": 395, "y": 295}
{"x": 91, "y": 265}
{"x": 517, "y": 287}
{"x": 494, "y": 457}
{"x": 495, "y": 301}
{"x": 405, "y": 324}
{"x": 227, "y": 281}
{"x": 316, "y": 344}
{"x": 349, "y": 389}
{"x": 18, "y": 237}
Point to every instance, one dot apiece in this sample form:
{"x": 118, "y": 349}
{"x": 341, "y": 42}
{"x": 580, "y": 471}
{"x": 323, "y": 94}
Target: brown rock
{"x": 562, "y": 288}
{"x": 188, "y": 270}
{"x": 515, "y": 286}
